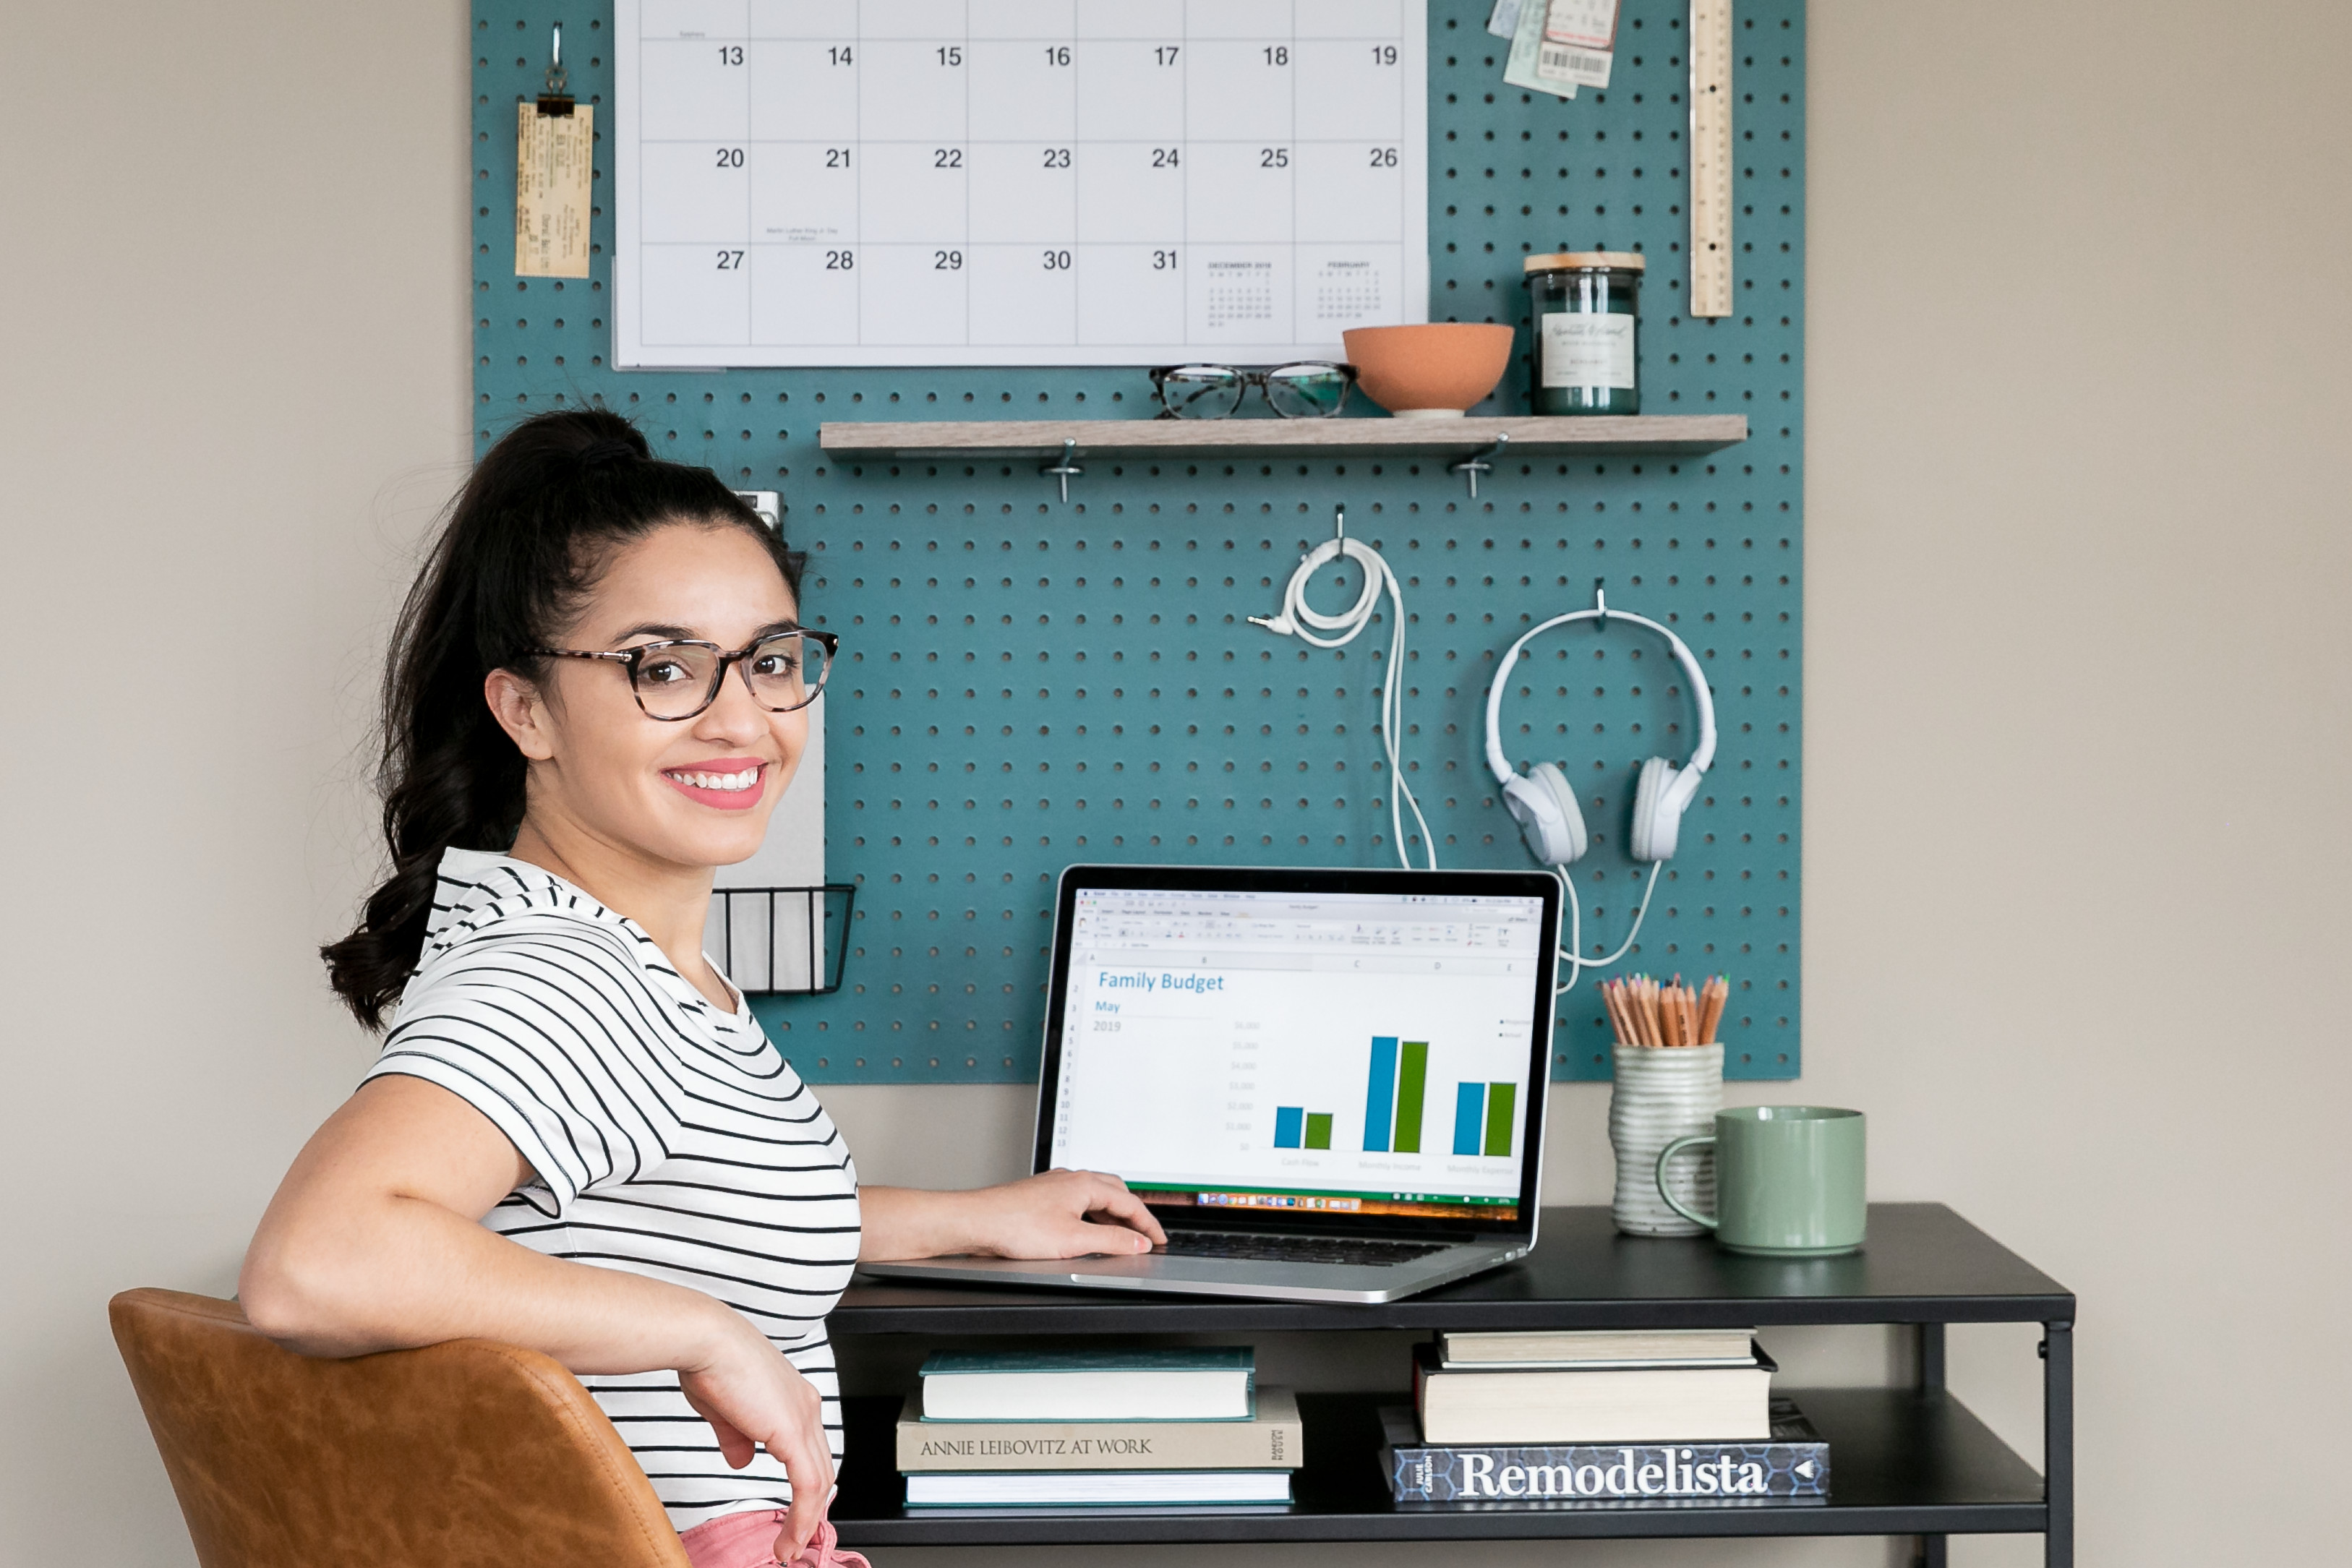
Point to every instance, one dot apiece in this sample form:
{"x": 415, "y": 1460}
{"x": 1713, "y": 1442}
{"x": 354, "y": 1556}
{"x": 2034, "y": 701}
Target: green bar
{"x": 1413, "y": 1071}
{"x": 1319, "y": 1129}
{"x": 1500, "y": 1099}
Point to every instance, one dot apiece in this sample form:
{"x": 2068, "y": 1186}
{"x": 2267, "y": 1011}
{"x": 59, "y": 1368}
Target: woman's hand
{"x": 753, "y": 1399}
{"x": 1061, "y": 1214}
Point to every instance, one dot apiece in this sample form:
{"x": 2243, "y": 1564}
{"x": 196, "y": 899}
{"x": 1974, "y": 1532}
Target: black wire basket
{"x": 781, "y": 941}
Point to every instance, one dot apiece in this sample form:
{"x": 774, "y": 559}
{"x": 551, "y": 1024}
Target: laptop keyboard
{"x": 1295, "y": 1248}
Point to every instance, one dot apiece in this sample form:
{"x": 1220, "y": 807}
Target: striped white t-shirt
{"x": 668, "y": 1137}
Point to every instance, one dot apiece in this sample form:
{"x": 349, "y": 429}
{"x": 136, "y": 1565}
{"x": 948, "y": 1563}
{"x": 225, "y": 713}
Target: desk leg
{"x": 1931, "y": 1381}
{"x": 2058, "y": 1442}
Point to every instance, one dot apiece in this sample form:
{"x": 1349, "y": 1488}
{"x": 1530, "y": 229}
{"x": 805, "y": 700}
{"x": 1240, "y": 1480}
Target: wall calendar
{"x": 1015, "y": 182}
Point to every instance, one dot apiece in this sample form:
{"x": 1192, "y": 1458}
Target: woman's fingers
{"x": 754, "y": 1398}
{"x": 812, "y": 1489}
{"x": 1131, "y": 1229}
{"x": 799, "y": 1444}
{"x": 1111, "y": 1197}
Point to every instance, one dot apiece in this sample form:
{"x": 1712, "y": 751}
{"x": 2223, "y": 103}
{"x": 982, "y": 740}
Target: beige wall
{"x": 2076, "y": 724}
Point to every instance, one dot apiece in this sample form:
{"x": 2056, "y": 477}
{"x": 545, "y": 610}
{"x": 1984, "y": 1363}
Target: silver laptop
{"x": 1327, "y": 1084}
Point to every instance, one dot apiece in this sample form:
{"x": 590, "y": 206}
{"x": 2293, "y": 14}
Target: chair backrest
{"x": 466, "y": 1455}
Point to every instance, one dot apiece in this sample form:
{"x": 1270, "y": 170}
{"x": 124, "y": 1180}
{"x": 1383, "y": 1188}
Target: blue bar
{"x": 1290, "y": 1124}
{"x": 1469, "y": 1117}
{"x": 1380, "y": 1096}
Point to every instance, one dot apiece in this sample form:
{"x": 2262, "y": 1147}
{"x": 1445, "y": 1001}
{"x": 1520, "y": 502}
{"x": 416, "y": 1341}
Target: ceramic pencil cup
{"x": 1662, "y": 1094}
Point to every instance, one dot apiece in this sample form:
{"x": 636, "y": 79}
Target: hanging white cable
{"x": 1570, "y": 955}
{"x": 1298, "y": 619}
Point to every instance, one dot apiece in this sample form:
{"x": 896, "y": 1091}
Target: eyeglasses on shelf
{"x": 1310, "y": 388}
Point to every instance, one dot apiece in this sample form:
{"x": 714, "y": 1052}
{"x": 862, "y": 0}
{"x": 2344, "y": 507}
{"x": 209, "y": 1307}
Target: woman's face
{"x": 697, "y": 792}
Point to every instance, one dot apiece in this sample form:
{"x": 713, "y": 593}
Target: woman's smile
{"x": 726, "y": 783}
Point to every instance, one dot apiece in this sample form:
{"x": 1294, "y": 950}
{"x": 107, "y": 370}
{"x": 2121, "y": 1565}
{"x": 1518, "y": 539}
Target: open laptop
{"x": 1327, "y": 1084}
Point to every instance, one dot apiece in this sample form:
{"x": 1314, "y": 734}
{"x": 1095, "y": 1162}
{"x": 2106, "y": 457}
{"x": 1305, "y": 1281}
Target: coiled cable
{"x": 1300, "y": 619}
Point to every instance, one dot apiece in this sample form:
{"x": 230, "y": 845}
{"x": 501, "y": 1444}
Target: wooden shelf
{"x": 1042, "y": 438}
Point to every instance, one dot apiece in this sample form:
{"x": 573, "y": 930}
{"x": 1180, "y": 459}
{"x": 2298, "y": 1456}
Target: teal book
{"x": 1213, "y": 1383}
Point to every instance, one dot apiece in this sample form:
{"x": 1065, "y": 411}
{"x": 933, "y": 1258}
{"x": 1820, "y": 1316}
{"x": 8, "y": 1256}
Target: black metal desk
{"x": 1904, "y": 1462}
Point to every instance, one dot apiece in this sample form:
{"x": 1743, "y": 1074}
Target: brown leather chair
{"x": 466, "y": 1455}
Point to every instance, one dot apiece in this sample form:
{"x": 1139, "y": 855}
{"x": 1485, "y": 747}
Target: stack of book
{"x": 1098, "y": 1428}
{"x": 1610, "y": 1415}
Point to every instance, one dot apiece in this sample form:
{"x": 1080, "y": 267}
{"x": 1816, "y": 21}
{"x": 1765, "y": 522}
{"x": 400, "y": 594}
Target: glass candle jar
{"x": 1586, "y": 306}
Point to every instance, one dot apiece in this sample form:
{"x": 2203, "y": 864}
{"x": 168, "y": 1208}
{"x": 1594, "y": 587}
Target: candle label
{"x": 1588, "y": 350}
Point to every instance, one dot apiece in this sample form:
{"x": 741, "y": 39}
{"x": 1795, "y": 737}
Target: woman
{"x": 577, "y": 1139}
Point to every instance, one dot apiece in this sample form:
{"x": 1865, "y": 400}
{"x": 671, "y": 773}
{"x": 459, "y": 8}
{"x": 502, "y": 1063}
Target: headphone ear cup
{"x": 1656, "y": 825}
{"x": 1545, "y": 810}
{"x": 1570, "y": 842}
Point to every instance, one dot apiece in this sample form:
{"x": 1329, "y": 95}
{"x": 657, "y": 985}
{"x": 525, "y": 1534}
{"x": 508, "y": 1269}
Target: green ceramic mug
{"x": 1787, "y": 1180}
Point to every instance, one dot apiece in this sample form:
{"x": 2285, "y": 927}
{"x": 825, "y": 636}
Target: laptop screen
{"x": 1303, "y": 1053}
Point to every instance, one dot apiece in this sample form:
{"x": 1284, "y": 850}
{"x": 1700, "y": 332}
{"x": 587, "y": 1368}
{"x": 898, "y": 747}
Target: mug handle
{"x": 1669, "y": 1151}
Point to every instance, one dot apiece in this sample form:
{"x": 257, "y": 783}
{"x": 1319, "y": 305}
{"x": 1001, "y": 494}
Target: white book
{"x": 1615, "y": 1347}
{"x": 1050, "y": 1488}
{"x": 1647, "y": 1404}
{"x": 1205, "y": 1384}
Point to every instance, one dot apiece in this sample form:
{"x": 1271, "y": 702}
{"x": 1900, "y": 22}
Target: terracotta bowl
{"x": 1432, "y": 371}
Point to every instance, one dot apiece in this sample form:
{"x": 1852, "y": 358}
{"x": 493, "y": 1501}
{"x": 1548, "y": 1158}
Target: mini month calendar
{"x": 1015, "y": 182}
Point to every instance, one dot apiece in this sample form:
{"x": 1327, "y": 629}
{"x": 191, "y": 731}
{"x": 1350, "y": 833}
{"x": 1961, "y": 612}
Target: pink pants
{"x": 749, "y": 1541}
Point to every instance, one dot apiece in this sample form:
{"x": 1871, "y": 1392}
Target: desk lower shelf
{"x": 1900, "y": 1463}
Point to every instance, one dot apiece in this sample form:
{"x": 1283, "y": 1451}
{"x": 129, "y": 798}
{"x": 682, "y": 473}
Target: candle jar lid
{"x": 1585, "y": 261}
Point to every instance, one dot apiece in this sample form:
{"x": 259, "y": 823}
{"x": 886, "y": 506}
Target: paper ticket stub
{"x": 1580, "y": 42}
{"x": 1503, "y": 21}
{"x": 553, "y": 154}
{"x": 1524, "y": 67}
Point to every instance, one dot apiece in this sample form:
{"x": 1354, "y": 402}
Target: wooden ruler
{"x": 1710, "y": 157}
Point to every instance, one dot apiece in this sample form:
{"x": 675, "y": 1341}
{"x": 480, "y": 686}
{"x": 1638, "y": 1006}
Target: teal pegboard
{"x": 1025, "y": 683}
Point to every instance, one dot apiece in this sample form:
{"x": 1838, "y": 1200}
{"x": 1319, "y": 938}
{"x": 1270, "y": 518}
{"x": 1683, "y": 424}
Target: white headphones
{"x": 1542, "y": 801}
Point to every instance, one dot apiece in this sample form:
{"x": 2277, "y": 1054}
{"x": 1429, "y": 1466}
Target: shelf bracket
{"x": 1064, "y": 468}
{"x": 1482, "y": 463}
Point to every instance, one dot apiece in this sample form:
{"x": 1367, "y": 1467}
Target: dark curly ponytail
{"x": 524, "y": 544}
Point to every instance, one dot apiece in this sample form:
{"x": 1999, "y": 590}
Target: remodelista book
{"x": 1192, "y": 1384}
{"x": 1269, "y": 1440}
{"x": 1791, "y": 1466}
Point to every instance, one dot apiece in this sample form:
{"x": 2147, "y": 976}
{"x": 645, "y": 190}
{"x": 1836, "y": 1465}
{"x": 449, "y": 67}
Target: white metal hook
{"x": 556, "y": 79}
{"x": 1479, "y": 463}
{"x": 1066, "y": 469}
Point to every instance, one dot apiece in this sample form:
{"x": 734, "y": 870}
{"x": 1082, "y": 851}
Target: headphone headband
{"x": 1686, "y": 780}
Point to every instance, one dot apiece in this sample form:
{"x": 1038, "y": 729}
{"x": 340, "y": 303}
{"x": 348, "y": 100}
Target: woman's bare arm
{"x": 1061, "y": 1214}
{"x": 374, "y": 1242}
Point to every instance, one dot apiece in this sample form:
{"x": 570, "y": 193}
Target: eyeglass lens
{"x": 1201, "y": 391}
{"x": 1306, "y": 392}
{"x": 679, "y": 680}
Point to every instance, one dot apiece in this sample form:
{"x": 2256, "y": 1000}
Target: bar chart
{"x": 1393, "y": 1095}
{"x": 1483, "y": 1117}
{"x": 1296, "y": 1127}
